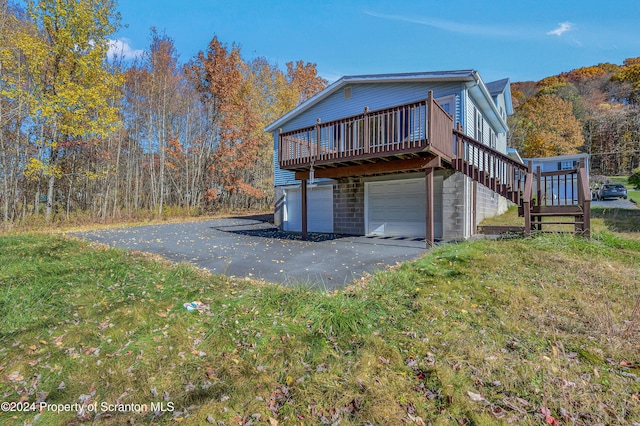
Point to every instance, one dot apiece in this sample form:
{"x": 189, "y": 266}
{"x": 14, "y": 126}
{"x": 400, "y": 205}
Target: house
{"x": 562, "y": 187}
{"x": 419, "y": 155}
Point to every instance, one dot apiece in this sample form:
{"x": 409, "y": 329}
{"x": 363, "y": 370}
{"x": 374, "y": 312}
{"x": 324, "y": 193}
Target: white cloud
{"x": 122, "y": 48}
{"x": 445, "y": 25}
{"x": 562, "y": 28}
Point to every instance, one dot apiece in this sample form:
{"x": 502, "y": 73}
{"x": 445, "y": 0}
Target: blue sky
{"x": 523, "y": 40}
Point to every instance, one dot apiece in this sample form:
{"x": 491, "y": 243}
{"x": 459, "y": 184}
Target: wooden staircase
{"x": 543, "y": 198}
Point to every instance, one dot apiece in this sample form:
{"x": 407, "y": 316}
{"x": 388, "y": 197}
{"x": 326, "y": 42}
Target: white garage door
{"x": 319, "y": 209}
{"x": 397, "y": 208}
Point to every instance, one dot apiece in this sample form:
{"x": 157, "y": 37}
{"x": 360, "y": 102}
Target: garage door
{"x": 397, "y": 208}
{"x": 319, "y": 209}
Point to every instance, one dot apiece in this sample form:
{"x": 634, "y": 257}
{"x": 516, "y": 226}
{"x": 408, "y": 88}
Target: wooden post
{"x": 365, "y": 122}
{"x": 305, "y": 235}
{"x": 526, "y": 199}
{"x": 280, "y": 153}
{"x": 539, "y": 183}
{"x": 586, "y": 218}
{"x": 312, "y": 154}
{"x": 584, "y": 199}
{"x": 430, "y": 238}
{"x": 429, "y": 118}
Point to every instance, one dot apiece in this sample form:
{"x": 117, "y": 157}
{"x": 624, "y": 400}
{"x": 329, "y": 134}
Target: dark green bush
{"x": 634, "y": 179}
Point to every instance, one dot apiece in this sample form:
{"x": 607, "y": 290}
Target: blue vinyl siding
{"x": 281, "y": 177}
{"x": 374, "y": 95}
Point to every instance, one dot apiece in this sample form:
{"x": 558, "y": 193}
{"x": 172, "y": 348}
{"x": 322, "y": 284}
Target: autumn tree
{"x": 14, "y": 146}
{"x": 611, "y": 137}
{"x": 545, "y": 126}
{"x": 300, "y": 83}
{"x": 72, "y": 91}
{"x": 629, "y": 74}
{"x": 564, "y": 90}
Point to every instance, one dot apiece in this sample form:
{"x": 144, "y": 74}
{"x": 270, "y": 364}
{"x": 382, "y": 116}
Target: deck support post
{"x": 305, "y": 235}
{"x": 527, "y": 199}
{"x": 430, "y": 238}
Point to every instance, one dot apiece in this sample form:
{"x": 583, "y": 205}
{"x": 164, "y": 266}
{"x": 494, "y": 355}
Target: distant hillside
{"x": 591, "y": 109}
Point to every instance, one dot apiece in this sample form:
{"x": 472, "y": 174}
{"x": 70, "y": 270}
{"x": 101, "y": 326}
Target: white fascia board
{"x": 483, "y": 98}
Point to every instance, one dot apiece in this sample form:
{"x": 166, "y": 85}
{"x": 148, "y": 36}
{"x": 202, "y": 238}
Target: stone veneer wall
{"x": 348, "y": 206}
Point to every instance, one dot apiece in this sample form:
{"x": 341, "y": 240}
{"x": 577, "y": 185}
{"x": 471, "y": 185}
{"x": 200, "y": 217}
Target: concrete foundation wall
{"x": 348, "y": 206}
{"x": 454, "y": 207}
{"x": 489, "y": 204}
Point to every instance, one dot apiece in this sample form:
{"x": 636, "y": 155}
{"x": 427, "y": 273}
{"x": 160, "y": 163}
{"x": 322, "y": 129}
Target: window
{"x": 567, "y": 165}
{"x": 492, "y": 138}
{"x": 347, "y": 92}
{"x": 448, "y": 103}
{"x": 479, "y": 126}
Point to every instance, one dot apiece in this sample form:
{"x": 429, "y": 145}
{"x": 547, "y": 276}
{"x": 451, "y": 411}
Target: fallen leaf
{"x": 15, "y": 377}
{"x": 497, "y": 411}
{"x": 475, "y": 396}
{"x": 549, "y": 419}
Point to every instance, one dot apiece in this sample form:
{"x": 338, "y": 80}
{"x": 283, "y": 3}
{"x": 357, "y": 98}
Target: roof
{"x": 497, "y": 87}
{"x": 459, "y": 75}
{"x": 502, "y": 86}
{"x": 514, "y": 154}
{"x": 558, "y": 157}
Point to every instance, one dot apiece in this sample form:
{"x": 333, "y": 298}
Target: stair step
{"x": 550, "y": 214}
{"x": 557, "y": 223}
{"x": 499, "y": 229}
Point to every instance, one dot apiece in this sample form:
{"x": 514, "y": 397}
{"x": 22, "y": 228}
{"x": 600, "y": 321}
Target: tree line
{"x": 84, "y": 135}
{"x": 91, "y": 137}
{"x": 592, "y": 109}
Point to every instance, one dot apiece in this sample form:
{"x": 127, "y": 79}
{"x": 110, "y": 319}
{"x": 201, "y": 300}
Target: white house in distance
{"x": 560, "y": 189}
{"x": 378, "y": 155}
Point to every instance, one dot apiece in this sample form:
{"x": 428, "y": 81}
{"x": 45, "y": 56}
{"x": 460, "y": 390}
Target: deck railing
{"x": 396, "y": 130}
{"x": 489, "y": 167}
{"x": 557, "y": 194}
{"x": 561, "y": 187}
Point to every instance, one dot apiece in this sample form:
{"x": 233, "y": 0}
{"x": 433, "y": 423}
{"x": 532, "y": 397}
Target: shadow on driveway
{"x": 253, "y": 248}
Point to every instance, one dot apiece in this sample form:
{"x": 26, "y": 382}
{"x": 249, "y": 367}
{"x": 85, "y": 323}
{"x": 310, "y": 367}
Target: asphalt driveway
{"x": 614, "y": 203}
{"x": 245, "y": 247}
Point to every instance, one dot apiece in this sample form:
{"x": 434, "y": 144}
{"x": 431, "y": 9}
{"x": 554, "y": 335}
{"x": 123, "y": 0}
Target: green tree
{"x": 73, "y": 94}
{"x": 634, "y": 179}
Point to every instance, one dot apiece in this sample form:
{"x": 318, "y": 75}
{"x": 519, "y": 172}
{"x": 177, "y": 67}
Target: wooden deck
{"x": 420, "y": 137}
{"x": 410, "y": 131}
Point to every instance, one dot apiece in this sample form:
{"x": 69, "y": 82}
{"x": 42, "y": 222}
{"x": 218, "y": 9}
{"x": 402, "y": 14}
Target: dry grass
{"x": 473, "y": 333}
{"x": 82, "y": 222}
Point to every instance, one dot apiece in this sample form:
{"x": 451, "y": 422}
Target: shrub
{"x": 634, "y": 179}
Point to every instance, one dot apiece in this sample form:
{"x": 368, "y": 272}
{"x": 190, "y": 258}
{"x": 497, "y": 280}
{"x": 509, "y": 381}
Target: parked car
{"x": 612, "y": 190}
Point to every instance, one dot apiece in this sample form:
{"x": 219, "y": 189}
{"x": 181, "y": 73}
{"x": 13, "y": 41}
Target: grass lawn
{"x": 520, "y": 331}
